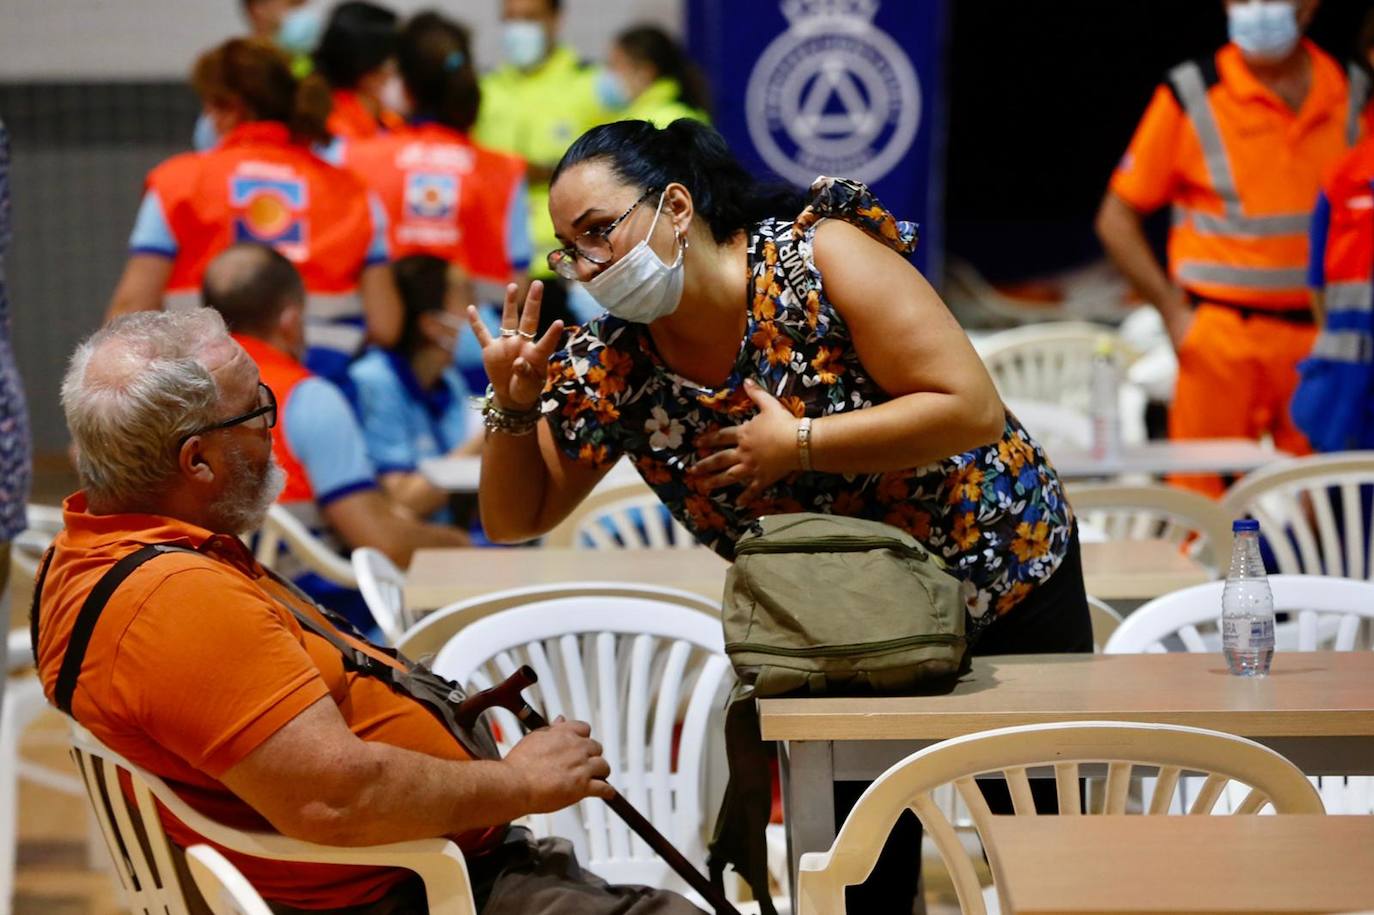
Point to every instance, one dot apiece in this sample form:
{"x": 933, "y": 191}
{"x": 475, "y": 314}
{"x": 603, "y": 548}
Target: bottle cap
{"x": 1244, "y": 524}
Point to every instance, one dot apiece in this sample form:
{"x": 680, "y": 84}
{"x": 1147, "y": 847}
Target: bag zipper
{"x": 833, "y": 545}
{"x": 909, "y": 641}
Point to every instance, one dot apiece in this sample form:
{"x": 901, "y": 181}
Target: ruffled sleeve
{"x": 841, "y": 198}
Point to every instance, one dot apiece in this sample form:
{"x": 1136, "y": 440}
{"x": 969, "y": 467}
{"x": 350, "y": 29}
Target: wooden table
{"x": 1132, "y": 865}
{"x": 1315, "y": 708}
{"x": 1138, "y": 569}
{"x": 442, "y": 576}
{"x": 1157, "y": 458}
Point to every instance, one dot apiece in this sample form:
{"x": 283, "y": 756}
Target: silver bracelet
{"x": 511, "y": 422}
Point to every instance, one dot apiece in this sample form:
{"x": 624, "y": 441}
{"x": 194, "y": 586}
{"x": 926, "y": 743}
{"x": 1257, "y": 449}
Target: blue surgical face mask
{"x": 523, "y": 42}
{"x": 610, "y": 90}
{"x": 300, "y": 29}
{"x": 1265, "y": 30}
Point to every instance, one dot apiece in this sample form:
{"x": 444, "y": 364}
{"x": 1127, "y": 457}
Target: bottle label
{"x": 1239, "y": 634}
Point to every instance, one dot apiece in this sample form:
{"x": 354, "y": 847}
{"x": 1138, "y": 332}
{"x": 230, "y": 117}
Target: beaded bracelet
{"x": 511, "y": 422}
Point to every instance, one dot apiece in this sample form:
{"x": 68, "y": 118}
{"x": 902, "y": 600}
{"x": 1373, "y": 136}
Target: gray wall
{"x": 92, "y": 93}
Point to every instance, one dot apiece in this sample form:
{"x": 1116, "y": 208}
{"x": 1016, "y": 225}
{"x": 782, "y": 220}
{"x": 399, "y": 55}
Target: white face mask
{"x": 640, "y": 287}
{"x": 393, "y": 96}
{"x": 523, "y": 42}
{"x": 1265, "y": 30}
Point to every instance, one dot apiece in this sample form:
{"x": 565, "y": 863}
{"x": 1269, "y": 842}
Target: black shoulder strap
{"x": 33, "y": 607}
{"x": 86, "y": 620}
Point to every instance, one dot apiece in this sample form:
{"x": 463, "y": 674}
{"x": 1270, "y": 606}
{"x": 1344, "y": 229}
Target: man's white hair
{"x": 132, "y": 392}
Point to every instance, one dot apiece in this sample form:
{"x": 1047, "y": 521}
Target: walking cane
{"x": 508, "y": 695}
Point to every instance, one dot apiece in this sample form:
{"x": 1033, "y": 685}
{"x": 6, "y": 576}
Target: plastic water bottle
{"x": 1104, "y": 407}
{"x": 1247, "y": 606}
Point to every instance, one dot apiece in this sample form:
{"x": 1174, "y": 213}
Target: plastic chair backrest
{"x": 144, "y": 866}
{"x": 628, "y": 516}
{"x": 221, "y": 885}
{"x": 646, "y": 675}
{"x": 1328, "y": 614}
{"x": 383, "y": 589}
{"x": 1053, "y": 425}
{"x": 432, "y": 632}
{"x": 1049, "y": 362}
{"x": 1194, "y": 523}
{"x": 1313, "y": 511}
{"x": 281, "y": 528}
{"x": 28, "y": 546}
{"x": 1163, "y": 750}
{"x": 1105, "y": 621}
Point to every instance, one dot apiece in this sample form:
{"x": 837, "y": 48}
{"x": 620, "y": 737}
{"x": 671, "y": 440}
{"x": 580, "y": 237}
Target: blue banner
{"x": 846, "y": 88}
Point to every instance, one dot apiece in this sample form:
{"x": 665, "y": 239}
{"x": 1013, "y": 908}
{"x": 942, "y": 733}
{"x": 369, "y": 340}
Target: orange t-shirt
{"x": 194, "y": 664}
{"x": 1276, "y": 156}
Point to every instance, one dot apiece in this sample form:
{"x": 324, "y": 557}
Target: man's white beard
{"x": 242, "y": 508}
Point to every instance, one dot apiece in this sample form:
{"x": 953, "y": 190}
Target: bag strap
{"x": 740, "y": 836}
{"x": 33, "y": 607}
{"x": 86, "y": 620}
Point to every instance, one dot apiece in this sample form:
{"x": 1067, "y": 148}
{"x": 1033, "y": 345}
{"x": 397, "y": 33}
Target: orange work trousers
{"x": 1236, "y": 377}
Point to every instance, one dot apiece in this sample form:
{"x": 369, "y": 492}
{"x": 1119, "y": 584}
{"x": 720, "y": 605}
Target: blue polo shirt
{"x": 403, "y": 423}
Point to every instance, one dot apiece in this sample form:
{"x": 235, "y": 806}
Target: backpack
{"x": 821, "y": 604}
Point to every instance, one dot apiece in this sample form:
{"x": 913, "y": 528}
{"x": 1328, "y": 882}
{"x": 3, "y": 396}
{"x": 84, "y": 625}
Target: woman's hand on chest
{"x": 755, "y": 454}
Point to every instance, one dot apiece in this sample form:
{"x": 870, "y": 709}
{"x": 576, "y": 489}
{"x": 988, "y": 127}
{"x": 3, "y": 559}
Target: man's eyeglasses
{"x": 268, "y": 409}
{"x": 593, "y": 245}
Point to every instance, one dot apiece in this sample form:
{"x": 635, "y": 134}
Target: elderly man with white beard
{"x": 259, "y": 708}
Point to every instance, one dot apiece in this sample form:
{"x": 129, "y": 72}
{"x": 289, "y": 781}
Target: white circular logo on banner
{"x": 833, "y": 95}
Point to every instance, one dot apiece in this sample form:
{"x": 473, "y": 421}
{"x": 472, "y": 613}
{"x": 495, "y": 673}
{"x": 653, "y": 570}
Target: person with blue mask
{"x": 412, "y": 402}
{"x": 294, "y": 25}
{"x": 649, "y": 77}
{"x": 534, "y": 106}
{"x": 1236, "y": 144}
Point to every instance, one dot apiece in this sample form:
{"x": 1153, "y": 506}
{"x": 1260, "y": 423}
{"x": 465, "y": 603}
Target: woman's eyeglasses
{"x": 593, "y": 245}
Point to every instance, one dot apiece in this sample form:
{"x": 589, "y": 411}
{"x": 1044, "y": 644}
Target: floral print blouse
{"x": 996, "y": 514}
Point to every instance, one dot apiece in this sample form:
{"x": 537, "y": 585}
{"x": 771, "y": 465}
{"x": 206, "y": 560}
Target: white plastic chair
{"x": 383, "y": 589}
{"x": 1105, "y": 621}
{"x": 283, "y": 529}
{"x": 1164, "y": 750}
{"x": 1190, "y": 521}
{"x": 225, "y": 890}
{"x": 1328, "y": 613}
{"x": 1296, "y": 503}
{"x": 646, "y": 675}
{"x": 628, "y": 516}
{"x": 24, "y": 701}
{"x": 431, "y": 633}
{"x": 149, "y": 878}
{"x": 1053, "y": 425}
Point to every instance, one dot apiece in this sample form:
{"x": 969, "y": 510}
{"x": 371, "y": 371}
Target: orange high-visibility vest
{"x": 443, "y": 194}
{"x": 1241, "y": 170}
{"x": 259, "y": 186}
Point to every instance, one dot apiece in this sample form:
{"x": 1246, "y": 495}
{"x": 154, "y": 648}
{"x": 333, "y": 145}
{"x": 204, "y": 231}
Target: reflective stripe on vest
{"x": 1191, "y": 88}
{"x": 325, "y": 306}
{"x": 1344, "y": 346}
{"x": 1357, "y": 78}
{"x": 340, "y": 337}
{"x": 1354, "y": 296}
{"x": 181, "y": 301}
{"x": 1260, "y": 279}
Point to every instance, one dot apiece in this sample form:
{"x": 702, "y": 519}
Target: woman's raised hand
{"x": 517, "y": 362}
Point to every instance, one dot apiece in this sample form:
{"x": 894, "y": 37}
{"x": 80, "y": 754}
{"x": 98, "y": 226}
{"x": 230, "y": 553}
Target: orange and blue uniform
{"x": 447, "y": 197}
{"x": 259, "y": 186}
{"x": 349, "y": 118}
{"x": 1240, "y": 168}
{"x": 1334, "y": 403}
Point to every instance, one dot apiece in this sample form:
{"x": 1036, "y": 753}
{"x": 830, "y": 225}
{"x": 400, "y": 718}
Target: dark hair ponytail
{"x": 358, "y": 39}
{"x": 435, "y": 59}
{"x": 694, "y": 155}
{"x": 648, "y": 44}
{"x": 256, "y": 75}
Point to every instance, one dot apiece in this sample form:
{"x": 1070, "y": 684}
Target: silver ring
{"x": 528, "y": 335}
{"x": 509, "y": 332}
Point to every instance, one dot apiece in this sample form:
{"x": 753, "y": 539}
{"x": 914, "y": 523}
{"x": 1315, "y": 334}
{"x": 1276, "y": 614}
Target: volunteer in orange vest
{"x": 444, "y": 195}
{"x": 263, "y": 184}
{"x": 1236, "y": 143}
{"x": 357, "y": 57}
{"x": 1334, "y": 403}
